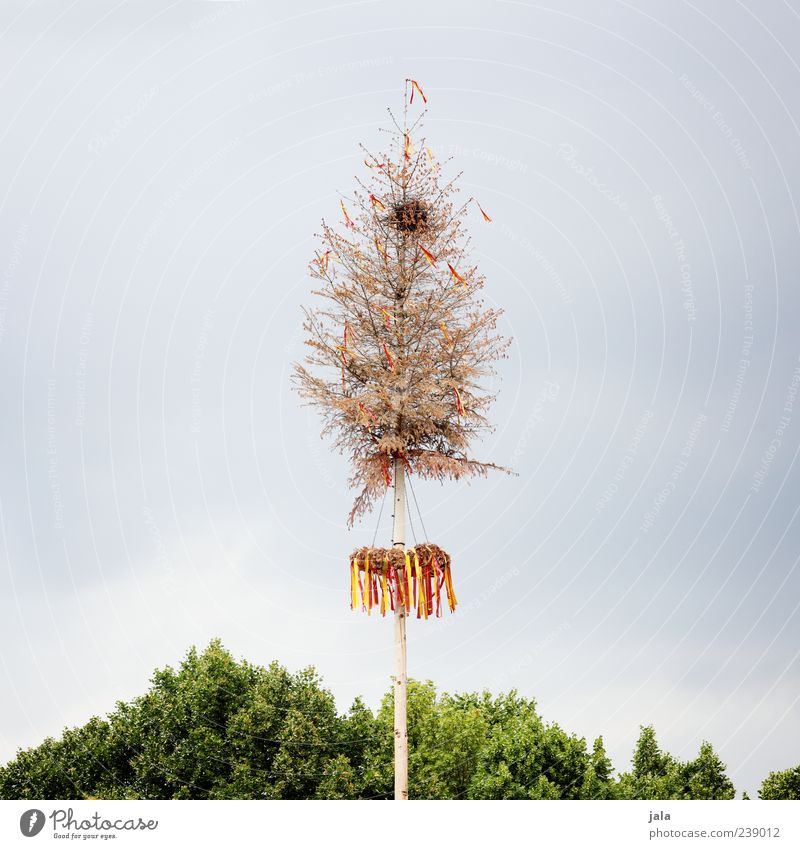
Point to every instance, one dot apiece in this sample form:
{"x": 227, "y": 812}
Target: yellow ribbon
{"x": 354, "y": 584}
{"x": 409, "y": 600}
{"x": 422, "y": 602}
{"x": 448, "y": 583}
{"x": 384, "y": 587}
{"x": 436, "y": 583}
{"x": 367, "y": 592}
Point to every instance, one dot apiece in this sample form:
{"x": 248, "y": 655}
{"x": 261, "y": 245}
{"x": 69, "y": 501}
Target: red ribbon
{"x": 428, "y": 255}
{"x": 388, "y": 356}
{"x": 415, "y": 87}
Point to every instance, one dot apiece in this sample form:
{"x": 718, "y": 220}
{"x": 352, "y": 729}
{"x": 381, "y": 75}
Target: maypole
{"x": 399, "y": 350}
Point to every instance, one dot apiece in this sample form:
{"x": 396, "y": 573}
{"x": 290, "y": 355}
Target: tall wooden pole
{"x": 400, "y": 661}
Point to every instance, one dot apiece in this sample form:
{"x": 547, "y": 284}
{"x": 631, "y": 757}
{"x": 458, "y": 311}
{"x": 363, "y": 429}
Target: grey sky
{"x": 164, "y": 168}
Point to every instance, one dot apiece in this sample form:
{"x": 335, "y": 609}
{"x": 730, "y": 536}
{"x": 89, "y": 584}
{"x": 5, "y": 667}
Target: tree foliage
{"x": 400, "y": 343}
{"x": 781, "y": 785}
{"x": 659, "y": 775}
{"x": 218, "y": 728}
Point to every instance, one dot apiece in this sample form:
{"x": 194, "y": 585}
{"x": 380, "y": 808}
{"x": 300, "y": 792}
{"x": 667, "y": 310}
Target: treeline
{"x": 221, "y": 729}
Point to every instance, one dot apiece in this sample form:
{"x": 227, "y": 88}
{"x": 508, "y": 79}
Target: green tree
{"x": 83, "y": 760}
{"x": 659, "y": 775}
{"x": 523, "y": 758}
{"x": 781, "y": 785}
{"x": 705, "y": 778}
{"x": 655, "y": 774}
{"x": 446, "y": 735}
{"x": 215, "y": 728}
{"x": 218, "y": 728}
{"x": 597, "y": 781}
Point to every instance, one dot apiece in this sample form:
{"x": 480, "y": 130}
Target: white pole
{"x": 400, "y": 660}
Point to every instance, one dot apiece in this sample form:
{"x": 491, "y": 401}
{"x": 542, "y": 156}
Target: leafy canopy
{"x": 218, "y": 728}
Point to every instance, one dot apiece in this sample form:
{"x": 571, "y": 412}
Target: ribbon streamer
{"x": 353, "y": 584}
{"x": 428, "y": 255}
{"x": 387, "y": 316}
{"x": 388, "y": 357}
{"x": 459, "y": 405}
{"x": 456, "y": 276}
{"x": 367, "y": 412}
{"x": 407, "y": 582}
{"x": 384, "y": 587}
{"x": 419, "y": 587}
{"x": 483, "y": 212}
{"x": 368, "y": 585}
{"x": 380, "y": 248}
{"x": 415, "y": 87}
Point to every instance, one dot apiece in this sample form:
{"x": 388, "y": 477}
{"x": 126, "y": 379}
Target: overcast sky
{"x": 163, "y": 170}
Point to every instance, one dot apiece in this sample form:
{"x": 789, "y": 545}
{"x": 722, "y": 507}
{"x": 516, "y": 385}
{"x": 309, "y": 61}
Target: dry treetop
{"x": 400, "y": 341}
